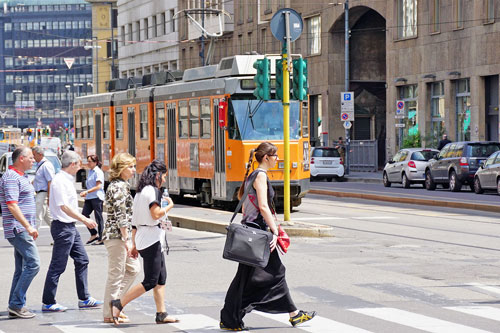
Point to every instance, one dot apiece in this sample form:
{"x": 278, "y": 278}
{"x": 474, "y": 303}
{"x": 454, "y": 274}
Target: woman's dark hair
{"x": 151, "y": 173}
{"x": 94, "y": 159}
{"x": 265, "y": 148}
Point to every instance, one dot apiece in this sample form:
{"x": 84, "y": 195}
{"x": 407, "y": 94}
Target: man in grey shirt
{"x": 43, "y": 176}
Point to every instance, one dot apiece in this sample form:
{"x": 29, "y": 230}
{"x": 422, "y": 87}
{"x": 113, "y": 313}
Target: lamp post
{"x": 69, "y": 103}
{"x": 17, "y": 92}
{"x": 96, "y": 55}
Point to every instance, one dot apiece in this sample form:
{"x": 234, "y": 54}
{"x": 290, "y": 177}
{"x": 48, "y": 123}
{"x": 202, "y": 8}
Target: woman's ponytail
{"x": 249, "y": 165}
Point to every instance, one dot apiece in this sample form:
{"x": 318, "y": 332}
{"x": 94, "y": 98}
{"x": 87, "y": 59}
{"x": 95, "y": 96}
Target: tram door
{"x": 131, "y": 130}
{"x": 219, "y": 186}
{"x": 98, "y": 134}
{"x": 173, "y": 179}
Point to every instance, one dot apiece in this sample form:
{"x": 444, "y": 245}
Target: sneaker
{"x": 225, "y": 328}
{"x": 90, "y": 302}
{"x": 22, "y": 313}
{"x": 302, "y": 317}
{"x": 53, "y": 308}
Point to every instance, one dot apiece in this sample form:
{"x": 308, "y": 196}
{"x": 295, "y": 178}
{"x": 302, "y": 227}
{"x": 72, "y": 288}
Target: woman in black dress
{"x": 262, "y": 289}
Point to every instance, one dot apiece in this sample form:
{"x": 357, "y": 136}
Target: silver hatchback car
{"x": 408, "y": 166}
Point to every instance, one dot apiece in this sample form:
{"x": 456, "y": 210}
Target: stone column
{"x": 424, "y": 110}
{"x": 478, "y": 112}
{"x": 450, "y": 111}
{"x": 391, "y": 146}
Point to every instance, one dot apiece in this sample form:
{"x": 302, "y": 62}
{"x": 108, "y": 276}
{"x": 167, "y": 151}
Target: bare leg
{"x": 132, "y": 294}
{"x": 159, "y": 296}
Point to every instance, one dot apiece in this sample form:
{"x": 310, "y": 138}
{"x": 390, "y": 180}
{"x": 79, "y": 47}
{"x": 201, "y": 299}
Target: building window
{"x": 7, "y": 27}
{"x": 435, "y": 12}
{"x": 437, "y": 112}
{"x": 250, "y": 46}
{"x": 172, "y": 20}
{"x": 409, "y": 94}
{"x": 407, "y": 18}
{"x": 163, "y": 22}
{"x": 8, "y": 43}
{"x": 250, "y": 11}
{"x": 281, "y": 3}
{"x": 314, "y": 35}
{"x": 268, "y": 6}
{"x": 463, "y": 109}
{"x": 122, "y": 34}
{"x": 241, "y": 12}
{"x": 490, "y": 10}
{"x": 137, "y": 31}
{"x": 155, "y": 26}
{"x": 145, "y": 26}
{"x": 240, "y": 44}
{"x": 263, "y": 41}
{"x": 130, "y": 34}
{"x": 459, "y": 14}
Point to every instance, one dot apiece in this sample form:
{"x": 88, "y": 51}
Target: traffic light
{"x": 279, "y": 79}
{"x": 262, "y": 79}
{"x": 299, "y": 79}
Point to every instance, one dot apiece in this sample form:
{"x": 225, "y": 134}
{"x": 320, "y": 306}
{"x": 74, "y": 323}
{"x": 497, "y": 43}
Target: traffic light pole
{"x": 286, "y": 135}
{"x": 347, "y": 133}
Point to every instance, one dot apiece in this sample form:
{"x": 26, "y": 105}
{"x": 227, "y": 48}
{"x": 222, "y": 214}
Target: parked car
{"x": 408, "y": 166}
{"x": 6, "y": 161}
{"x": 457, "y": 164}
{"x": 326, "y": 163}
{"x": 487, "y": 177}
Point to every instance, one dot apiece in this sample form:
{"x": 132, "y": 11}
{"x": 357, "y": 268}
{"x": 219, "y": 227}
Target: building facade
{"x": 104, "y": 44}
{"x": 148, "y": 37}
{"x": 44, "y": 65}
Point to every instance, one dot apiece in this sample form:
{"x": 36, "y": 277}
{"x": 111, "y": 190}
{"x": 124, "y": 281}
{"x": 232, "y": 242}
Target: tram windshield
{"x": 259, "y": 120}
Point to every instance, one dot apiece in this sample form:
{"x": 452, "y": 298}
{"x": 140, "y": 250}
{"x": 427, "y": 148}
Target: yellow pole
{"x": 286, "y": 134}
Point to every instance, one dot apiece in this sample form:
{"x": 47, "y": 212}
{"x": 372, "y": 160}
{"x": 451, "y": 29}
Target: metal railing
{"x": 364, "y": 155}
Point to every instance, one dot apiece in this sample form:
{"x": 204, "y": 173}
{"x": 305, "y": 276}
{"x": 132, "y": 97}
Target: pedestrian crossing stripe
{"x": 491, "y": 289}
{"x": 85, "y": 327}
{"x": 317, "y": 324}
{"x": 196, "y": 323}
{"x": 417, "y": 321}
{"x": 487, "y": 312}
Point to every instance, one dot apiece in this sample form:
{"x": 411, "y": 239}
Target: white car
{"x": 326, "y": 163}
{"x": 408, "y": 166}
{"x": 6, "y": 161}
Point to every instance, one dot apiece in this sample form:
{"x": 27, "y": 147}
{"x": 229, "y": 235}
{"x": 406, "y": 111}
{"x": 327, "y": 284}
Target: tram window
{"x": 305, "y": 120}
{"x": 105, "y": 123}
{"x": 119, "y": 123}
{"x": 143, "y": 114}
{"x": 160, "y": 121}
{"x": 194, "y": 118}
{"x": 78, "y": 124}
{"x": 84, "y": 124}
{"x": 91, "y": 124}
{"x": 205, "y": 118}
{"x": 183, "y": 119}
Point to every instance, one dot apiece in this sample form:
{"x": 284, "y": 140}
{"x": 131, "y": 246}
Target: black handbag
{"x": 246, "y": 245}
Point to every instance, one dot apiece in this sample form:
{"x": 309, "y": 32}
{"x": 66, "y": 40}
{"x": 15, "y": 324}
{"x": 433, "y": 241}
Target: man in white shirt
{"x": 63, "y": 204}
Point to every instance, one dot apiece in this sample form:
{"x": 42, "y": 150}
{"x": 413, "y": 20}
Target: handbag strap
{"x": 243, "y": 197}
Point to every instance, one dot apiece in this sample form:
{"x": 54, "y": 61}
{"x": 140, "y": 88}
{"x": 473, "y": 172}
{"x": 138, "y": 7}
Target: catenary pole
{"x": 347, "y": 133}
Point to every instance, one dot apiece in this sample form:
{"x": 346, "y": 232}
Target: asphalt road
{"x": 415, "y": 191}
{"x": 390, "y": 268}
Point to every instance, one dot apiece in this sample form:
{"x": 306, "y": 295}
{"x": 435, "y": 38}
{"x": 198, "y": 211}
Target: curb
{"x": 201, "y": 224}
{"x": 364, "y": 180}
{"x": 414, "y": 201}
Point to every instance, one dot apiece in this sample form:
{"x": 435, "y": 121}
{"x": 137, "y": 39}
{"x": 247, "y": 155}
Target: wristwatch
{"x": 125, "y": 239}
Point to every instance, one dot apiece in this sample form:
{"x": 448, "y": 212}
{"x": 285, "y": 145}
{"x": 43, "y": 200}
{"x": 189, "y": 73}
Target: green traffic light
{"x": 279, "y": 79}
{"x": 299, "y": 79}
{"x": 262, "y": 79}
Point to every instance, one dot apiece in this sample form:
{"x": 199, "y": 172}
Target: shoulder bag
{"x": 246, "y": 245}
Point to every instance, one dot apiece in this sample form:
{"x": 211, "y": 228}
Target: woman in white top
{"x": 148, "y": 238}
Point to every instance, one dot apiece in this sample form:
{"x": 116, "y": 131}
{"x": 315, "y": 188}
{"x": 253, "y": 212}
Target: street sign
{"x": 278, "y": 27}
{"x": 399, "y": 116}
{"x": 69, "y": 62}
{"x": 399, "y": 125}
{"x": 347, "y": 106}
{"x": 347, "y": 124}
{"x": 400, "y": 107}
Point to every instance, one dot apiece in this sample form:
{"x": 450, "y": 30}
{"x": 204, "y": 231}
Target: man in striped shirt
{"x": 17, "y": 198}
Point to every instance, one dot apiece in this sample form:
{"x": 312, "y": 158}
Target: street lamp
{"x": 96, "y": 48}
{"x": 69, "y": 103}
{"x": 17, "y": 92}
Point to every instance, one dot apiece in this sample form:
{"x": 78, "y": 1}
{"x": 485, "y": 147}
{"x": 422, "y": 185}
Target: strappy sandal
{"x": 116, "y": 303}
{"x": 163, "y": 318}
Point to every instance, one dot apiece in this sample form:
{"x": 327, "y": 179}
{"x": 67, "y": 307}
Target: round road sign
{"x": 401, "y": 105}
{"x": 347, "y": 124}
{"x": 278, "y": 28}
{"x": 345, "y": 116}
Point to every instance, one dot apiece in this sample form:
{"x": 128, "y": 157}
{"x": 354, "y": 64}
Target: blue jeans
{"x": 67, "y": 243}
{"x": 27, "y": 266}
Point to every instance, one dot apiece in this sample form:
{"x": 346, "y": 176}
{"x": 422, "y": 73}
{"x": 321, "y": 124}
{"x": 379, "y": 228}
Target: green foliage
{"x": 412, "y": 141}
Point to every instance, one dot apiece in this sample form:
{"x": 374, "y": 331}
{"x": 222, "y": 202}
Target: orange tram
{"x": 203, "y": 126}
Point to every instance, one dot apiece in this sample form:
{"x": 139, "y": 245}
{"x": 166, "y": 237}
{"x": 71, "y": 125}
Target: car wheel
{"x": 455, "y": 183}
{"x": 340, "y": 179}
{"x": 498, "y": 186}
{"x": 429, "y": 183}
{"x": 386, "y": 181}
{"x": 404, "y": 181}
{"x": 477, "y": 186}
